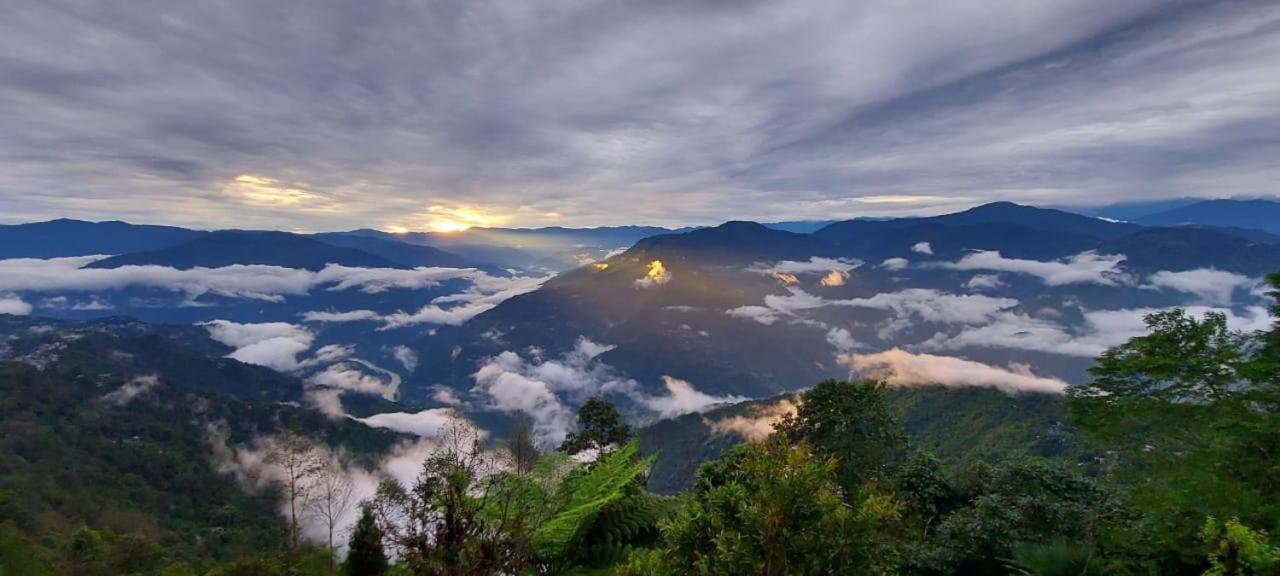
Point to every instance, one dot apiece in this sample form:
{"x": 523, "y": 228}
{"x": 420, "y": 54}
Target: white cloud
{"x": 10, "y": 304}
{"x": 908, "y": 305}
{"x": 682, "y": 398}
{"x": 427, "y": 423}
{"x": 269, "y": 283}
{"x": 895, "y": 264}
{"x": 327, "y": 401}
{"x": 1085, "y": 267}
{"x": 507, "y": 389}
{"x": 1211, "y": 286}
{"x": 346, "y": 376}
{"x": 984, "y": 282}
{"x": 758, "y": 422}
{"x": 484, "y": 295}
{"x": 135, "y": 387}
{"x": 273, "y": 284}
{"x": 814, "y": 265}
{"x": 406, "y": 356}
{"x": 922, "y": 248}
{"x": 761, "y": 314}
{"x": 1102, "y": 329}
{"x": 348, "y": 316}
{"x": 900, "y": 368}
{"x": 275, "y": 345}
{"x": 842, "y": 340}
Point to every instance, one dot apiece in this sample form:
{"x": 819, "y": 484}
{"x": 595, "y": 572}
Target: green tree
{"x": 1031, "y": 507}
{"x": 1189, "y": 417}
{"x": 599, "y": 427}
{"x": 770, "y": 508}
{"x": 852, "y": 422}
{"x": 365, "y": 555}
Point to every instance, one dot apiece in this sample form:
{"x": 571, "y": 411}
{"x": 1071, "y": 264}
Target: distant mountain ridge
{"x": 720, "y": 319}
{"x": 65, "y": 237}
{"x": 1254, "y": 214}
{"x": 225, "y": 248}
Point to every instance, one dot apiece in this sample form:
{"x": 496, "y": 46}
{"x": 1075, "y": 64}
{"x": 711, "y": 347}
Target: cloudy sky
{"x": 321, "y": 115}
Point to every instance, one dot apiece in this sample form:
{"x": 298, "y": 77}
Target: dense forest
{"x": 1173, "y": 468}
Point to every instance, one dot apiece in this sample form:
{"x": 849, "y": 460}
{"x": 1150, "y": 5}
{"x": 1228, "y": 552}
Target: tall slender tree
{"x": 365, "y": 556}
{"x": 298, "y": 462}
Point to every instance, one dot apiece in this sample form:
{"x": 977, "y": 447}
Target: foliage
{"x": 995, "y": 512}
{"x": 1236, "y": 549}
{"x": 365, "y": 556}
{"x": 769, "y": 508}
{"x": 599, "y": 427}
{"x": 851, "y": 422}
{"x": 1190, "y": 417}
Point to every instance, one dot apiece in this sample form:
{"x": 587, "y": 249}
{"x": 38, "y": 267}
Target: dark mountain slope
{"x": 236, "y": 247}
{"x": 57, "y": 238}
{"x": 77, "y": 451}
{"x": 1257, "y": 214}
{"x": 986, "y": 222}
{"x": 1190, "y": 247}
{"x": 401, "y": 253}
{"x": 731, "y": 243}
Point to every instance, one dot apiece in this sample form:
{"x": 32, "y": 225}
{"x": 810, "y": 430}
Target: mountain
{"x": 800, "y": 226}
{"x": 734, "y": 241}
{"x": 552, "y": 248}
{"x": 745, "y": 310}
{"x": 59, "y": 238}
{"x": 1255, "y": 214}
{"x": 401, "y": 253}
{"x": 1130, "y": 211}
{"x": 1190, "y": 247}
{"x": 228, "y": 247}
{"x": 959, "y": 425}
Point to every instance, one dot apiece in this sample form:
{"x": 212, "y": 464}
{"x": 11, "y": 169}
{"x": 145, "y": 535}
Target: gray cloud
{"x": 372, "y": 113}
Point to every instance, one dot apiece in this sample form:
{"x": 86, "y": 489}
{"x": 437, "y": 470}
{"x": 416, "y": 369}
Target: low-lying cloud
{"x": 275, "y": 345}
{"x": 1211, "y": 286}
{"x": 10, "y": 304}
{"x": 682, "y": 398}
{"x": 272, "y": 284}
{"x": 548, "y": 389}
{"x": 758, "y": 421}
{"x": 1083, "y": 268}
{"x": 900, "y": 368}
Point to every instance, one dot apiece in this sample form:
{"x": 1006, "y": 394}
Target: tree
{"x": 1189, "y": 415}
{"x": 770, "y": 508}
{"x": 457, "y": 518}
{"x": 332, "y": 490}
{"x": 365, "y": 556}
{"x": 852, "y": 422}
{"x": 522, "y": 444}
{"x": 599, "y": 427}
{"x": 298, "y": 461}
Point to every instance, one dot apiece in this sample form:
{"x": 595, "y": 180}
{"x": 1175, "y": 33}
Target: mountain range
{"x": 664, "y": 322}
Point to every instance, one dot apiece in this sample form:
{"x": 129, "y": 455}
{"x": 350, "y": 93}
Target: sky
{"x": 433, "y": 115}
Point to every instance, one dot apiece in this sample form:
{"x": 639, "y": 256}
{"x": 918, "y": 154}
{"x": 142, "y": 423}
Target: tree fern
{"x": 584, "y": 497}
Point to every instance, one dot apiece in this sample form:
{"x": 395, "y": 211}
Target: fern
{"x": 585, "y": 497}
